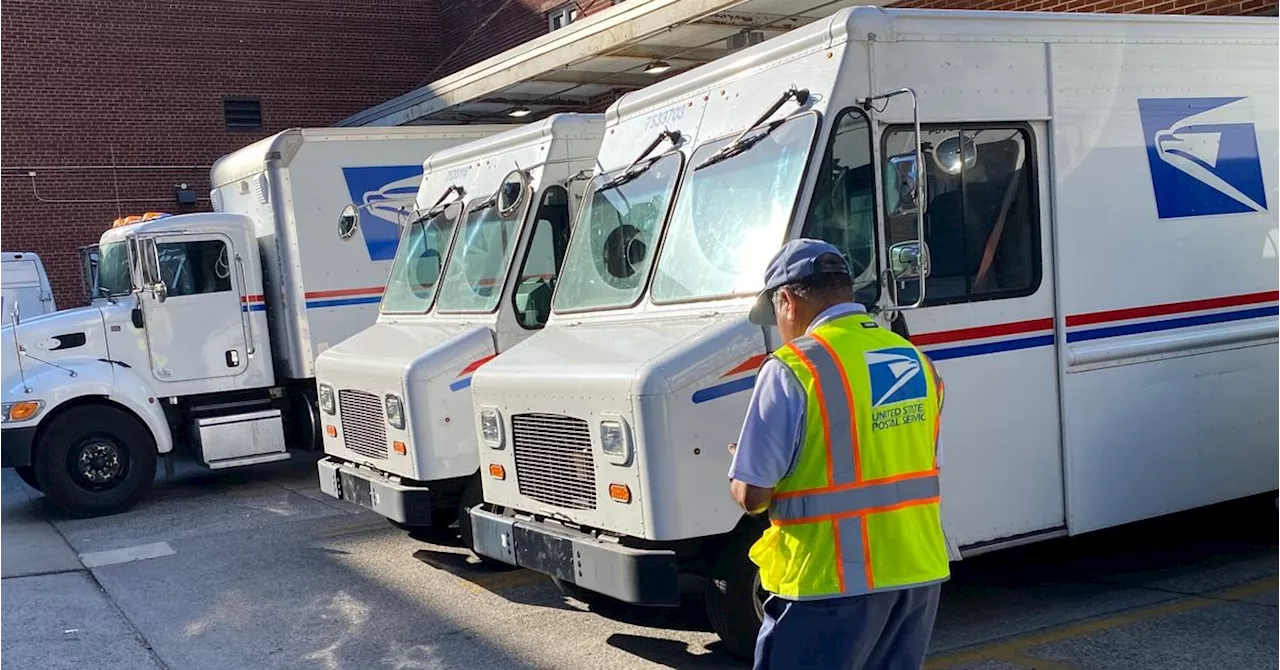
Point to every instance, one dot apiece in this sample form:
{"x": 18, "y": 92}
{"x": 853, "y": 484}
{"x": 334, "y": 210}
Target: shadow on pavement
{"x": 675, "y": 654}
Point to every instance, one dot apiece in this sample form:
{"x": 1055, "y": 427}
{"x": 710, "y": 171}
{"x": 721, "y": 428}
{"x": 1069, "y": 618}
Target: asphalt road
{"x": 256, "y": 568}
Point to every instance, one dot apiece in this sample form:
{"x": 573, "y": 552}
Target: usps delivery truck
{"x": 24, "y": 285}
{"x": 205, "y": 327}
{"x": 1072, "y": 215}
{"x": 396, "y": 399}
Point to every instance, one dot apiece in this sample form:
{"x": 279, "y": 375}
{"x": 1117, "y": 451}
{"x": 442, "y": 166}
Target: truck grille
{"x": 554, "y": 460}
{"x": 364, "y": 428}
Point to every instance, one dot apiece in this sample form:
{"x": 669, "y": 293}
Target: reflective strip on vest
{"x": 833, "y": 392}
{"x": 816, "y": 505}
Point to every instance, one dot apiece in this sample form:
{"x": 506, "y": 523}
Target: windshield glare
{"x": 731, "y": 216}
{"x": 113, "y": 269}
{"x": 473, "y": 276}
{"x": 419, "y": 258}
{"x": 613, "y": 242}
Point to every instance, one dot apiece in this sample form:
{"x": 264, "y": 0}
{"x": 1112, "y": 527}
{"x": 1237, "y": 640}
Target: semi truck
{"x": 1073, "y": 216}
{"x": 24, "y": 284}
{"x": 494, "y": 218}
{"x": 203, "y": 328}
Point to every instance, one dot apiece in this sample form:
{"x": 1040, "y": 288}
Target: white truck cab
{"x": 202, "y": 329}
{"x": 474, "y": 276}
{"x": 1085, "y": 199}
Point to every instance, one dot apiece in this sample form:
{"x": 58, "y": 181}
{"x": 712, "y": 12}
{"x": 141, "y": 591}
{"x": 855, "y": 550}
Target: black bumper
{"x": 410, "y": 505}
{"x": 638, "y": 576}
{"x": 15, "y": 446}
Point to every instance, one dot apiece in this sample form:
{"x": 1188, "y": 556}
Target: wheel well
{"x": 83, "y": 401}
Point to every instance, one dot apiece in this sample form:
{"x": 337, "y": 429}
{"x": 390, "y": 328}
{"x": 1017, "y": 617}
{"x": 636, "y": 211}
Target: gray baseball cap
{"x": 796, "y": 260}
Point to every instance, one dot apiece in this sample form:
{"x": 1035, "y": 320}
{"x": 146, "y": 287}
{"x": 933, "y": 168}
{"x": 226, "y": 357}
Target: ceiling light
{"x": 519, "y": 112}
{"x": 657, "y": 67}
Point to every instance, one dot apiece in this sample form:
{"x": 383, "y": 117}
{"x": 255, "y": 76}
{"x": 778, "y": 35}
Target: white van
{"x": 24, "y": 285}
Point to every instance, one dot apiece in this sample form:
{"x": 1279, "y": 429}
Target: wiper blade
{"x": 741, "y": 143}
{"x": 636, "y": 169}
{"x": 462, "y": 192}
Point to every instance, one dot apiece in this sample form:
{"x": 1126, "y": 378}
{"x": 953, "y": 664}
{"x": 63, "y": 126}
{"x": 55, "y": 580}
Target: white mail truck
{"x": 24, "y": 284}
{"x": 1074, "y": 216}
{"x": 495, "y": 214}
{"x": 204, "y": 328}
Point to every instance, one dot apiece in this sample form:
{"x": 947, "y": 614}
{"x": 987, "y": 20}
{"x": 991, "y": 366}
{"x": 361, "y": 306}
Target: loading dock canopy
{"x": 626, "y": 47}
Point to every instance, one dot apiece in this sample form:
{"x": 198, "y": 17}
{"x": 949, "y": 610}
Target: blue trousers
{"x": 880, "y": 631}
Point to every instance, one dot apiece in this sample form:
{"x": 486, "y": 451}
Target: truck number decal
{"x": 659, "y": 120}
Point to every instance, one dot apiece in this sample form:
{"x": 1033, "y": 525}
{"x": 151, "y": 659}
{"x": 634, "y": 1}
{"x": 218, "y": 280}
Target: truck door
{"x": 984, "y": 314}
{"x": 192, "y": 313}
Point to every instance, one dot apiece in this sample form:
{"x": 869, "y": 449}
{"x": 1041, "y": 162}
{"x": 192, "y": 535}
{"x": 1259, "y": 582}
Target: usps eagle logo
{"x": 1203, "y": 155}
{"x": 386, "y": 195}
{"x": 897, "y": 375}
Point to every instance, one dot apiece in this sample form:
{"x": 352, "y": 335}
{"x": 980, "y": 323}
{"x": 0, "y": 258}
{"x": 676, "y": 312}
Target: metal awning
{"x": 586, "y": 64}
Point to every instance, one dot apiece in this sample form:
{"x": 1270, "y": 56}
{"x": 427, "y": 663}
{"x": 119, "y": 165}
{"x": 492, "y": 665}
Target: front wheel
{"x": 95, "y": 460}
{"x": 28, "y": 476}
{"x": 735, "y": 599}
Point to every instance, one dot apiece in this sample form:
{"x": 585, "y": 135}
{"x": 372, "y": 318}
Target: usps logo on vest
{"x": 1203, "y": 154}
{"x": 386, "y": 196}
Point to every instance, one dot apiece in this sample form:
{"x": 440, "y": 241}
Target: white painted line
{"x": 97, "y": 559}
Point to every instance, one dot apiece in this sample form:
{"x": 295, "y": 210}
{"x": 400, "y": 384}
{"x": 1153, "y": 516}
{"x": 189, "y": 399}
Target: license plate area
{"x": 544, "y": 552}
{"x": 355, "y": 489}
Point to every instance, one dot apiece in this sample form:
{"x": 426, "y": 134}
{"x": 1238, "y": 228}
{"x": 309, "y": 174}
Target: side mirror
{"x": 159, "y": 291}
{"x": 908, "y": 260}
{"x": 904, "y": 175}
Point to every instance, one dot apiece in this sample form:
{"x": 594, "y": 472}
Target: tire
{"x": 28, "y": 476}
{"x": 473, "y": 495}
{"x": 734, "y": 598}
{"x": 95, "y": 460}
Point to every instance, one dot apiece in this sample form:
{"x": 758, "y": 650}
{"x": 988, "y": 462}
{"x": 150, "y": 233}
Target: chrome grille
{"x": 364, "y": 428}
{"x": 554, "y": 460}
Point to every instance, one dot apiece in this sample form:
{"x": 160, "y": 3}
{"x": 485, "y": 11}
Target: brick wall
{"x": 1219, "y": 7}
{"x": 82, "y": 80}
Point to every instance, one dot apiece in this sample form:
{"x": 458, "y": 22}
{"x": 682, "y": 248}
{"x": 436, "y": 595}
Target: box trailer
{"x": 396, "y": 396}
{"x": 1072, "y": 215}
{"x": 203, "y": 328}
{"x": 24, "y": 286}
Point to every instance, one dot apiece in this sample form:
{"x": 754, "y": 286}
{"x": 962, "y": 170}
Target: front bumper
{"x": 410, "y": 505}
{"x": 637, "y": 576}
{"x": 15, "y": 446}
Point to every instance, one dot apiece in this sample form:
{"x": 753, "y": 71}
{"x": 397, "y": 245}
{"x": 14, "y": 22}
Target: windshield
{"x": 473, "y": 278}
{"x": 412, "y": 282}
{"x": 612, "y": 245}
{"x": 113, "y": 269}
{"x": 732, "y": 215}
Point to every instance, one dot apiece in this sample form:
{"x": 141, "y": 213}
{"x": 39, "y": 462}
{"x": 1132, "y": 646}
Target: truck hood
{"x": 635, "y": 357}
{"x": 398, "y": 351}
{"x": 66, "y": 338}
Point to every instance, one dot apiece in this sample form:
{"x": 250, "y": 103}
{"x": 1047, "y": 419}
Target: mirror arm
{"x": 920, "y": 178}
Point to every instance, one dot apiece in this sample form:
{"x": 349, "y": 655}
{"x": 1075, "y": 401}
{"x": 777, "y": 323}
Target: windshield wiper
{"x": 740, "y": 145}
{"x": 636, "y": 169}
{"x": 432, "y": 211}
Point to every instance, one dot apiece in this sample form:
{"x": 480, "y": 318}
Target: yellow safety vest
{"x": 859, "y": 511}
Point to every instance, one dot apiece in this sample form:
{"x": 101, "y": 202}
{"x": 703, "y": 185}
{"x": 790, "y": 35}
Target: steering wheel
{"x": 222, "y": 267}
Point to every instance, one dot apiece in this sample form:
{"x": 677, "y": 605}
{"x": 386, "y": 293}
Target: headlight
{"x": 491, "y": 427}
{"x": 22, "y": 410}
{"x": 615, "y": 441}
{"x": 325, "y": 394}
{"x": 395, "y": 411}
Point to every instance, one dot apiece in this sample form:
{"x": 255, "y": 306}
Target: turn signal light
{"x": 399, "y": 447}
{"x": 620, "y": 493}
{"x": 331, "y": 431}
{"x": 497, "y": 471}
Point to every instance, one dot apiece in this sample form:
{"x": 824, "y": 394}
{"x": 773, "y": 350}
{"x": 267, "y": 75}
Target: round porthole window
{"x": 511, "y": 194}
{"x": 348, "y": 221}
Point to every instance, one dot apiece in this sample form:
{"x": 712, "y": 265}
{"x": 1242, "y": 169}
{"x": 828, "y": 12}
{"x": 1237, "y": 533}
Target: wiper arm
{"x": 462, "y": 192}
{"x": 740, "y": 145}
{"x": 636, "y": 169}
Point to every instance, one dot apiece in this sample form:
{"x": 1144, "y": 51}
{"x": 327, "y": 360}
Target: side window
{"x": 981, "y": 222}
{"x": 192, "y": 268}
{"x": 842, "y": 211}
{"x": 537, "y": 279}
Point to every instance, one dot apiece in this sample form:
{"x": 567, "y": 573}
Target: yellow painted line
{"x": 1034, "y": 663}
{"x": 1015, "y": 645}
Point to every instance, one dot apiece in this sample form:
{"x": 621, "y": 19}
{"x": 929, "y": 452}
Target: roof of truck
{"x": 284, "y": 145}
{"x": 880, "y": 24}
{"x": 561, "y": 126}
{"x": 207, "y": 222}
